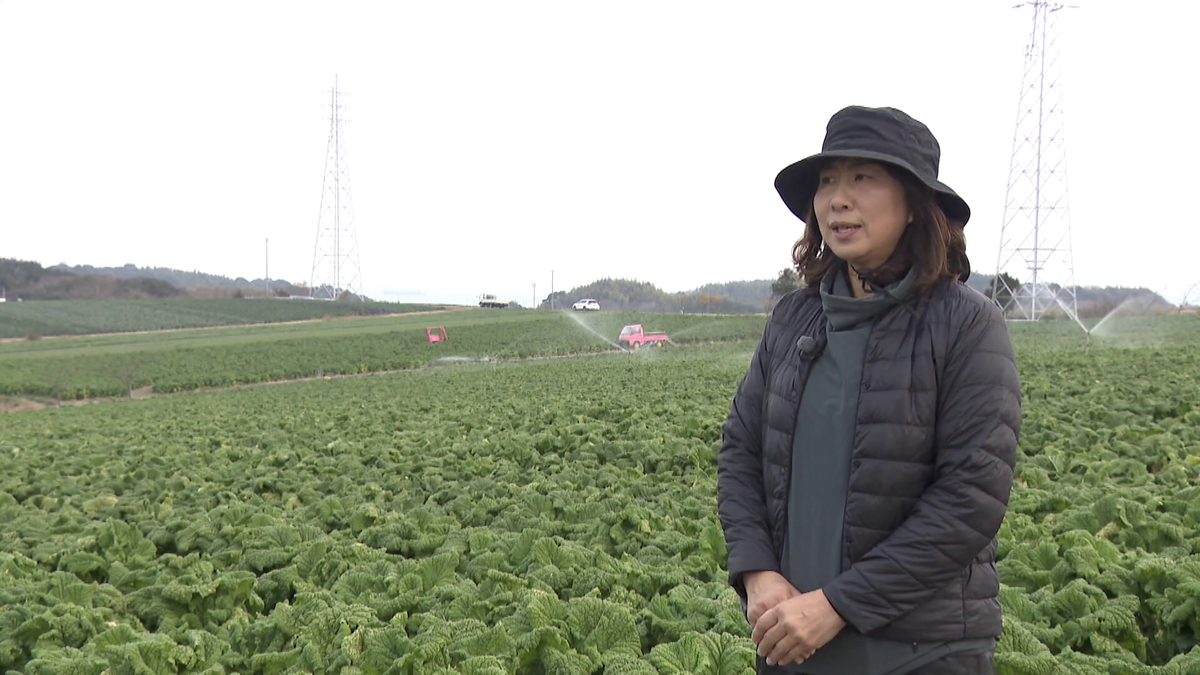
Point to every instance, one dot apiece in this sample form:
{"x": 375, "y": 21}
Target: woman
{"x": 868, "y": 454}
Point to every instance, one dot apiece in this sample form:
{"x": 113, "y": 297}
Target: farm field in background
{"x": 109, "y": 365}
{"x": 83, "y": 317}
{"x": 548, "y": 516}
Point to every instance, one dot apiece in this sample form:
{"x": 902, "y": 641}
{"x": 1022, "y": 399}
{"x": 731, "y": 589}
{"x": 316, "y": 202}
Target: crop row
{"x": 81, "y": 317}
{"x": 172, "y": 364}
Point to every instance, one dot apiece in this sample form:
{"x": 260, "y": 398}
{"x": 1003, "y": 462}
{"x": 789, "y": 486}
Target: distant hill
{"x": 736, "y": 297}
{"x": 753, "y": 293}
{"x": 31, "y": 281}
{"x": 739, "y": 297}
{"x": 185, "y": 280}
{"x": 1095, "y": 301}
{"x": 26, "y": 280}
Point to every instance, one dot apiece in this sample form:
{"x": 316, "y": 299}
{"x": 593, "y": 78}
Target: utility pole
{"x": 551, "y": 289}
{"x": 535, "y": 295}
{"x": 267, "y": 263}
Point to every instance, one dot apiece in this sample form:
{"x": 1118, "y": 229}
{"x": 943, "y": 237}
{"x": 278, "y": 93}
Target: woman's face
{"x": 860, "y": 211}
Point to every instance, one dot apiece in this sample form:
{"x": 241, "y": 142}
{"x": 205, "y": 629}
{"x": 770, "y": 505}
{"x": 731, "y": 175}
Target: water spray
{"x": 593, "y": 331}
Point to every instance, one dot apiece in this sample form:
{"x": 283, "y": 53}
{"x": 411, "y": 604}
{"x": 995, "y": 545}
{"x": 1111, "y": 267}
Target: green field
{"x": 85, "y": 367}
{"x": 547, "y": 515}
{"x": 85, "y": 317}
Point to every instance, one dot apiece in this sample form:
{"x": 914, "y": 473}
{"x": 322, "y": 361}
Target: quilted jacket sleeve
{"x": 741, "y": 503}
{"x": 979, "y": 417}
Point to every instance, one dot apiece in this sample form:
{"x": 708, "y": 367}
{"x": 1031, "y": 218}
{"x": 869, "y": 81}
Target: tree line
{"x": 738, "y": 297}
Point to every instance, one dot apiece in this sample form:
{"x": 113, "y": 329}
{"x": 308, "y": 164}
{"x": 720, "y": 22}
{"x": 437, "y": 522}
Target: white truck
{"x": 491, "y": 301}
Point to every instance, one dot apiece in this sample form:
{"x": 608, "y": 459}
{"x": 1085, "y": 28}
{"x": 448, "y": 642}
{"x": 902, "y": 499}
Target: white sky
{"x": 492, "y": 142}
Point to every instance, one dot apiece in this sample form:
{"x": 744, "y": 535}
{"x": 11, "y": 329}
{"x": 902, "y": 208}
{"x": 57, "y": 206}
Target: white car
{"x": 586, "y": 304}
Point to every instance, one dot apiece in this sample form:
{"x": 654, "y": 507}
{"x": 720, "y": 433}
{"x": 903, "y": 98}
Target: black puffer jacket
{"x": 934, "y": 448}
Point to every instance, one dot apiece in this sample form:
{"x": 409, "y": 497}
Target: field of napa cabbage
{"x": 548, "y": 516}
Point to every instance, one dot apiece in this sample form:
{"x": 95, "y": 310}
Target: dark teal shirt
{"x": 822, "y": 448}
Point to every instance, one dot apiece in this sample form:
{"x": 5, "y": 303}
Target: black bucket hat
{"x": 880, "y": 134}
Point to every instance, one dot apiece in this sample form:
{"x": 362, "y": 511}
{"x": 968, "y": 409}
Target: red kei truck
{"x": 635, "y": 337}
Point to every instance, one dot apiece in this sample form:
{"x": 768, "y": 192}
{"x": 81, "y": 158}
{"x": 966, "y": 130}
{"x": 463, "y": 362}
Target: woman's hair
{"x": 933, "y": 244}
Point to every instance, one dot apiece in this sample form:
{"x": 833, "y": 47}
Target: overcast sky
{"x": 489, "y": 143}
